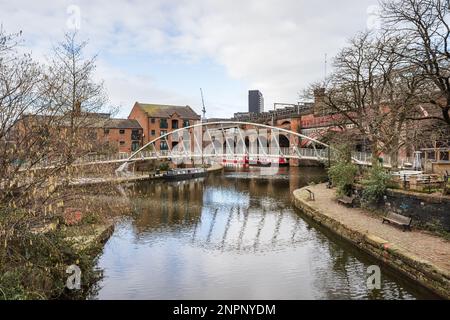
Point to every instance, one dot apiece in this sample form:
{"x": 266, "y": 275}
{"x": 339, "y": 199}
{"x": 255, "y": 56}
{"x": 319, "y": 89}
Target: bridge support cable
{"x": 227, "y": 144}
{"x": 210, "y": 139}
{"x": 243, "y": 141}
{"x": 156, "y": 151}
{"x": 276, "y": 137}
{"x": 185, "y": 153}
{"x": 315, "y": 151}
{"x": 168, "y": 145}
{"x": 260, "y": 144}
{"x": 297, "y": 151}
{"x": 198, "y": 146}
{"x": 236, "y": 134}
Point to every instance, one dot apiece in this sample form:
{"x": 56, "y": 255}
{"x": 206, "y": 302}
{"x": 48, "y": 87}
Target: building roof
{"x": 87, "y": 120}
{"x": 122, "y": 124}
{"x": 166, "y": 111}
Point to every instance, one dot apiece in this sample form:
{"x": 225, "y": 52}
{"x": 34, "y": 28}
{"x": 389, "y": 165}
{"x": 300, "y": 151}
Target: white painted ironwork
{"x": 227, "y": 132}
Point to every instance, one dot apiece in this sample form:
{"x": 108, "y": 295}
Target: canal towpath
{"x": 420, "y": 255}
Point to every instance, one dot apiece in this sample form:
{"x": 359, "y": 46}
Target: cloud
{"x": 275, "y": 46}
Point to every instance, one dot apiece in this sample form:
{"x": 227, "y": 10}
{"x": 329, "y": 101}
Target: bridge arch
{"x": 224, "y": 125}
{"x": 234, "y": 133}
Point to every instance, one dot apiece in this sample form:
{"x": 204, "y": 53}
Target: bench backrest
{"x": 399, "y": 218}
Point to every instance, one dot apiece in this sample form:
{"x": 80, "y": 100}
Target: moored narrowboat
{"x": 184, "y": 173}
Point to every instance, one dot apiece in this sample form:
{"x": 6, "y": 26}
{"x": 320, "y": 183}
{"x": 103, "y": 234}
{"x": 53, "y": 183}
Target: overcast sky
{"x": 157, "y": 51}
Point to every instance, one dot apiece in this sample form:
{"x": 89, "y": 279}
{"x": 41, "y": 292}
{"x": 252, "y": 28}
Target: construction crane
{"x": 203, "y": 103}
{"x": 203, "y": 119}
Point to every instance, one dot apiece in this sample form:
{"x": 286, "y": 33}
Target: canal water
{"x": 234, "y": 235}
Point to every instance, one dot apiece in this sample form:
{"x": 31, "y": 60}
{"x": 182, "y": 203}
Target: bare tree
{"x": 74, "y": 94}
{"x": 47, "y": 118}
{"x": 372, "y": 89}
{"x": 20, "y": 94}
{"x": 424, "y": 27}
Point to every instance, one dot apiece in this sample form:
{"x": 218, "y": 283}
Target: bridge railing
{"x": 364, "y": 157}
{"x": 284, "y": 151}
{"x": 291, "y": 152}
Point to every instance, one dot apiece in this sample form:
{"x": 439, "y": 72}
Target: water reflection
{"x": 232, "y": 236}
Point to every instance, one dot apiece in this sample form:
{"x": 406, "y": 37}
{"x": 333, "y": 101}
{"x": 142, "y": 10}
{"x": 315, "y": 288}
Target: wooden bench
{"x": 346, "y": 200}
{"x": 398, "y": 219}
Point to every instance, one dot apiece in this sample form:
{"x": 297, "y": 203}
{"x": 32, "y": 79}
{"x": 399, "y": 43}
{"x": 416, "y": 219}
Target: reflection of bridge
{"x": 240, "y": 224}
{"x": 240, "y": 230}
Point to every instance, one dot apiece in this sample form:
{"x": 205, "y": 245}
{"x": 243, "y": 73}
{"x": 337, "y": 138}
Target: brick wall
{"x": 152, "y": 127}
{"x": 120, "y": 138}
{"x": 138, "y": 114}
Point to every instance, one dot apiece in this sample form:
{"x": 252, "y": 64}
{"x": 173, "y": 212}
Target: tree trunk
{"x": 393, "y": 154}
{"x": 446, "y": 112}
{"x": 375, "y": 153}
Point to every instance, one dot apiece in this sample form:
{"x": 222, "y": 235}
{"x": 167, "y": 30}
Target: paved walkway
{"x": 421, "y": 244}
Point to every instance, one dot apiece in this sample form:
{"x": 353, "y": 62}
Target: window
{"x": 122, "y": 143}
{"x": 135, "y": 135}
{"x": 122, "y": 131}
{"x": 174, "y": 124}
{"x": 106, "y": 131}
{"x": 134, "y": 145}
{"x": 152, "y": 120}
{"x": 163, "y": 124}
{"x": 186, "y": 123}
{"x": 153, "y": 132}
{"x": 162, "y": 132}
{"x": 163, "y": 145}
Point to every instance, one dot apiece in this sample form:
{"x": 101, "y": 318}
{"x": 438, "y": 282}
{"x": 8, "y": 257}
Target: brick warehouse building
{"x": 103, "y": 133}
{"x": 157, "y": 120}
{"x": 126, "y": 134}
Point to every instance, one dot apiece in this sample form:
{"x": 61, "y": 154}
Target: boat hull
{"x": 184, "y": 176}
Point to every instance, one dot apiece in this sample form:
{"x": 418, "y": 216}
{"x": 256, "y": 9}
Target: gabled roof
{"x": 166, "y": 111}
{"x": 122, "y": 124}
{"x": 87, "y": 120}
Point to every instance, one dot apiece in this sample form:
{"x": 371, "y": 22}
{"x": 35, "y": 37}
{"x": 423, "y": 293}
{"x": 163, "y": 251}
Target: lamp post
{"x": 417, "y": 160}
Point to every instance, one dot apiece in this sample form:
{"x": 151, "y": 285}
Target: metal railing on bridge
{"x": 239, "y": 147}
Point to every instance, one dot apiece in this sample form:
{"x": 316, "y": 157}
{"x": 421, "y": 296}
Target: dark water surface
{"x": 234, "y": 235}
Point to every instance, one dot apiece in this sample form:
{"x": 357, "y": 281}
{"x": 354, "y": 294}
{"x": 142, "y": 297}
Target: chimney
{"x": 319, "y": 95}
{"x": 319, "y": 100}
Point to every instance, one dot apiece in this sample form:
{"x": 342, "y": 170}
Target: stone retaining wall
{"x": 416, "y": 269}
{"x": 427, "y": 211}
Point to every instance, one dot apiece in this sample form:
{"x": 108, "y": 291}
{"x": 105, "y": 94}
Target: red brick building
{"x": 157, "y": 120}
{"x": 126, "y": 134}
{"x": 99, "y": 131}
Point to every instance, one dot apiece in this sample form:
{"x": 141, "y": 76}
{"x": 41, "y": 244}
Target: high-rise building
{"x": 255, "y": 101}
